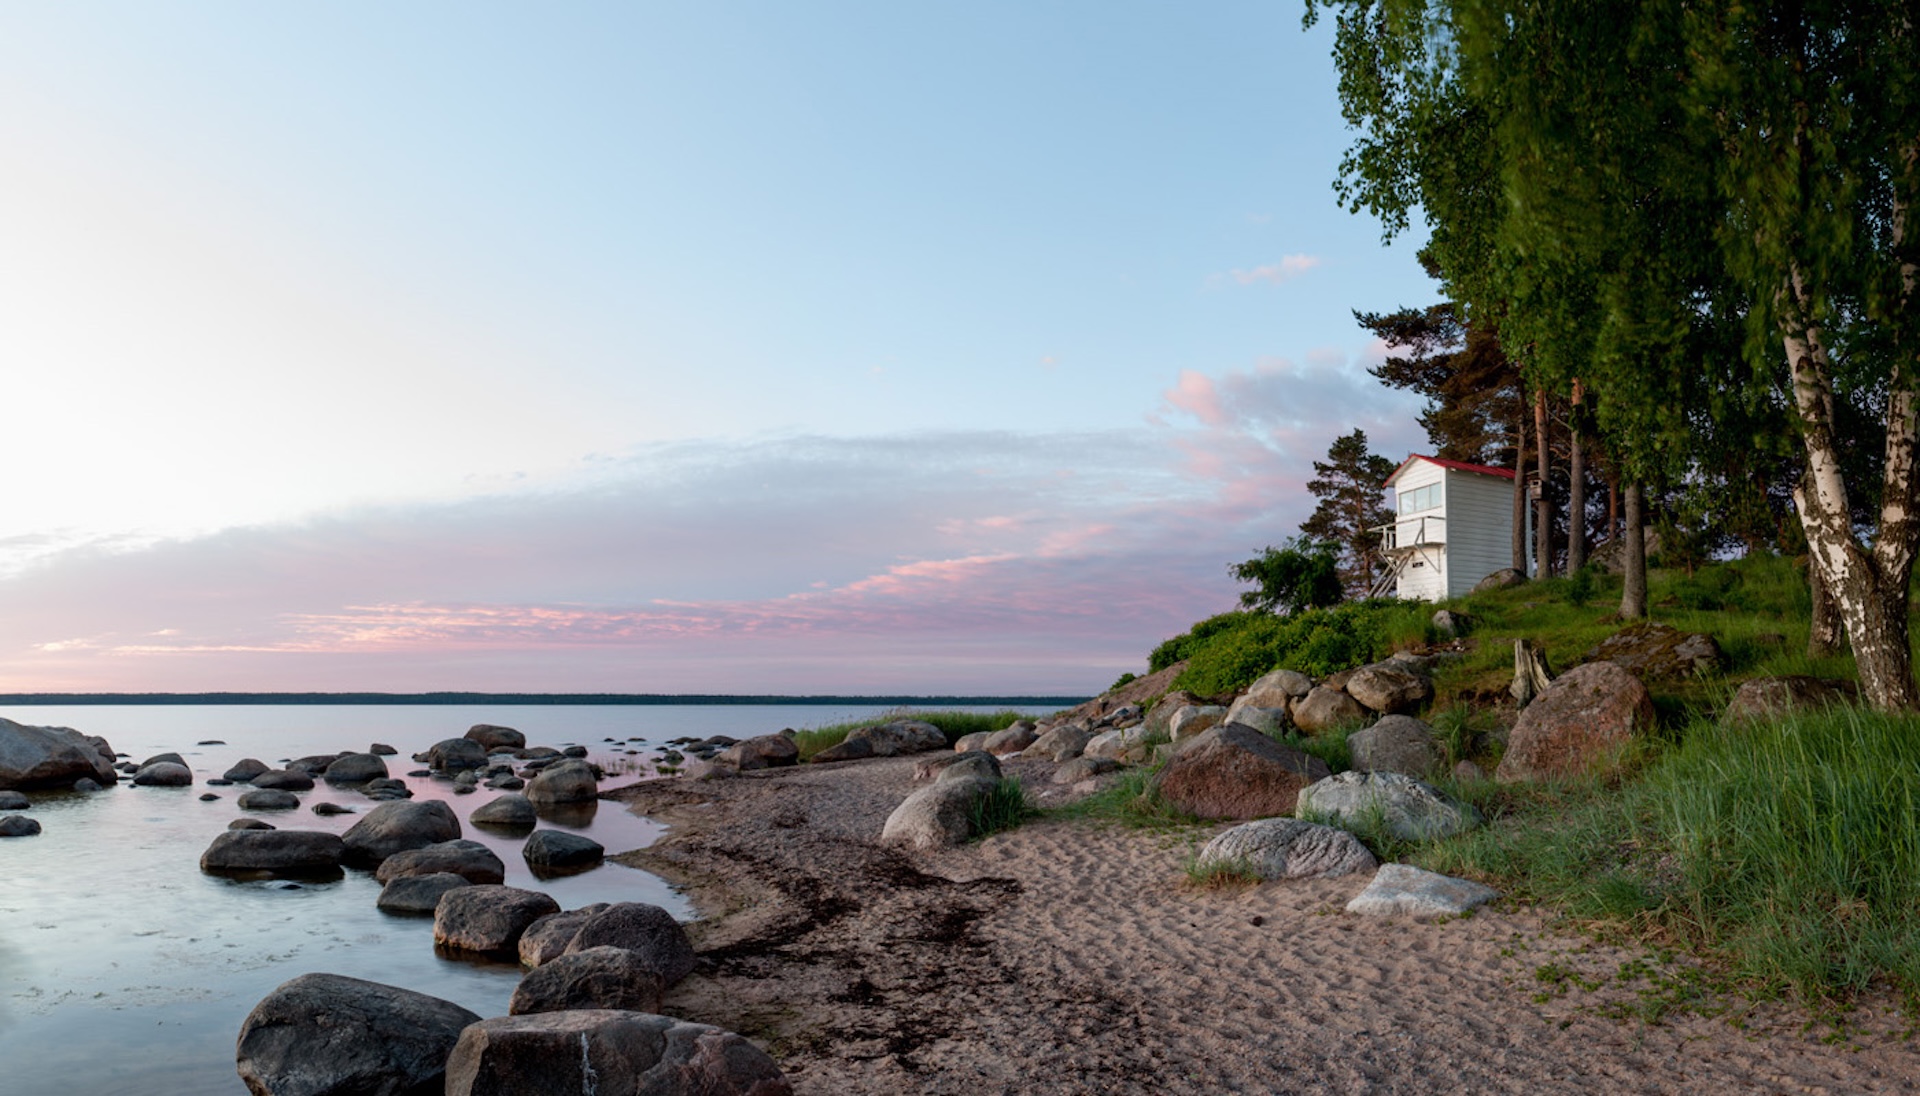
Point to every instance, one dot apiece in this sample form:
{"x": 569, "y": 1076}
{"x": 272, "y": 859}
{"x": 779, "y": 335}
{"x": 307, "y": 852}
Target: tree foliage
{"x": 1302, "y": 575}
{"x": 1349, "y": 485}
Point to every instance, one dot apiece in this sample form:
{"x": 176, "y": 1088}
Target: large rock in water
{"x": 419, "y": 893}
{"x": 1405, "y": 807}
{"x": 563, "y": 782}
{"x": 454, "y": 755}
{"x": 470, "y": 860}
{"x": 355, "y": 768}
{"x": 19, "y": 825}
{"x": 608, "y": 1051}
{"x": 558, "y": 850}
{"x": 273, "y": 852}
{"x": 1396, "y": 744}
{"x": 1579, "y": 726}
{"x": 50, "y": 757}
{"x": 646, "y": 930}
{"x": 164, "y": 774}
{"x": 602, "y": 977}
{"x": 1236, "y": 772}
{"x": 1287, "y": 848}
{"x": 488, "y": 919}
{"x": 547, "y": 938}
{"x": 510, "y": 811}
{"x": 492, "y": 737}
{"x": 329, "y": 1035}
{"x": 399, "y": 826}
{"x": 1660, "y": 652}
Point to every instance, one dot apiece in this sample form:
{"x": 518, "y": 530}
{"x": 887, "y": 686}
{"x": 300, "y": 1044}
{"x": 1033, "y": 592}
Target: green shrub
{"x": 1229, "y": 652}
{"x": 1003, "y": 808}
{"x": 1123, "y": 681}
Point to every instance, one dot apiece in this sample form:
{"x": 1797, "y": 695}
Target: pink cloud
{"x": 1288, "y": 268}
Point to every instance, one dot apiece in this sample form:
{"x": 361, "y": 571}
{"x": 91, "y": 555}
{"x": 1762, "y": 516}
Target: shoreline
{"x": 1066, "y": 957}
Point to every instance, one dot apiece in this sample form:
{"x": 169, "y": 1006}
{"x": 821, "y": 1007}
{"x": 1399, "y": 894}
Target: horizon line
{"x": 451, "y": 697}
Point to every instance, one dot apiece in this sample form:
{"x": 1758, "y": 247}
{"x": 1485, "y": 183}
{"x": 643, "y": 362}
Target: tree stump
{"x": 1531, "y": 675}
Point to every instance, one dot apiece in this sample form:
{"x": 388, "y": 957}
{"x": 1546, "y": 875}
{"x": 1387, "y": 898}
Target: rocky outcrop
{"x": 397, "y": 827}
{"x": 470, "y": 860}
{"x": 488, "y": 918}
{"x": 1325, "y": 708}
{"x": 602, "y": 977}
{"x": 1579, "y": 726}
{"x": 560, "y": 851}
{"x": 608, "y": 1051}
{"x": 1236, "y": 772}
{"x": 1396, "y": 744}
{"x": 570, "y": 781}
{"x": 329, "y": 1035}
{"x": 1406, "y": 890}
{"x": 1660, "y": 652}
{"x": 295, "y": 853}
{"x": 1402, "y": 806}
{"x": 492, "y": 737}
{"x": 50, "y": 757}
{"x": 1287, "y": 848}
{"x": 1763, "y": 698}
{"x": 419, "y": 894}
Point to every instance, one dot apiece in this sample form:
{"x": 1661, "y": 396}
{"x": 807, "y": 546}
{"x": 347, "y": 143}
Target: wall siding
{"x": 1425, "y": 576}
{"x": 1476, "y": 532}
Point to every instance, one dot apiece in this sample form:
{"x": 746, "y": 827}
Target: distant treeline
{"x": 532, "y": 698}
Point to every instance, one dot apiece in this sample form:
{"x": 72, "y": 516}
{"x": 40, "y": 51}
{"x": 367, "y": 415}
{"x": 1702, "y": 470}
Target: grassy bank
{"x": 955, "y": 725}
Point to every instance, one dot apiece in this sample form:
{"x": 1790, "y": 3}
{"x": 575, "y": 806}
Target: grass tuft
{"x": 1232, "y": 872}
{"x": 1003, "y": 808}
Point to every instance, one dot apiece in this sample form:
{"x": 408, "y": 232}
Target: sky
{"x": 640, "y": 347}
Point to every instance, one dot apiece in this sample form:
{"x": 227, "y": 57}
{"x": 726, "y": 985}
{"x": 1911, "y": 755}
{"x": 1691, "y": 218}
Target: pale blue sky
{"x": 931, "y": 297}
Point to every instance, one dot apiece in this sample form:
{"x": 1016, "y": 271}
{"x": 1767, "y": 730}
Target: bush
{"x": 1229, "y": 652}
{"x": 1003, "y": 808}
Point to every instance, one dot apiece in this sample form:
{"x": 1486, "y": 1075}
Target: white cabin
{"x": 1454, "y": 527}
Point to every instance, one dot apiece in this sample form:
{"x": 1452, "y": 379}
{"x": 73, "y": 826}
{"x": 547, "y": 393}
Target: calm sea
{"x": 123, "y": 969}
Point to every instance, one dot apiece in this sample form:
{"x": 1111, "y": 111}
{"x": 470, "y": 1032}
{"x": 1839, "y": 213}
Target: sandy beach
{"x": 1067, "y": 957}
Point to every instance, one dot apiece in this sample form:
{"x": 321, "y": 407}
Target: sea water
{"x": 124, "y": 969}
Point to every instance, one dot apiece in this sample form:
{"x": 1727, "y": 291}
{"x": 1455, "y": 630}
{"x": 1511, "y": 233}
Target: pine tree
{"x": 1350, "y": 485}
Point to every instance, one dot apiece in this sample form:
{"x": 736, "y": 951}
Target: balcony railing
{"x": 1412, "y": 532}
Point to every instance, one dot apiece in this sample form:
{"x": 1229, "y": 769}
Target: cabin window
{"x": 1420, "y": 498}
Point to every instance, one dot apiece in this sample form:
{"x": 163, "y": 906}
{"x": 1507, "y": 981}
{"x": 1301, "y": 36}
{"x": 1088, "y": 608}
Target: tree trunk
{"x": 1542, "y": 506}
{"x": 1531, "y": 674}
{"x": 1868, "y": 588}
{"x": 1613, "y": 507}
{"x": 1633, "y": 593}
{"x": 1823, "y": 638}
{"x": 1576, "y": 489}
{"x": 1520, "y": 496}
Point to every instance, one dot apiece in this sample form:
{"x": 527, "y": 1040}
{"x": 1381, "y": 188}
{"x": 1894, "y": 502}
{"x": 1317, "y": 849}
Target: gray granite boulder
{"x": 14, "y": 801}
{"x": 1406, "y": 808}
{"x": 1010, "y": 740}
{"x": 419, "y": 894}
{"x": 1268, "y": 721}
{"x": 558, "y": 850}
{"x": 286, "y": 780}
{"x": 646, "y": 930}
{"x": 329, "y": 1035}
{"x": 1287, "y": 848}
{"x": 1396, "y": 744}
{"x": 268, "y": 799}
{"x": 1325, "y": 708}
{"x": 968, "y": 743}
{"x": 470, "y": 860}
{"x": 397, "y": 827}
{"x": 1190, "y": 720}
{"x": 273, "y": 852}
{"x": 931, "y": 767}
{"x": 599, "y": 977}
{"x": 492, "y": 737}
{"x": 978, "y": 765}
{"x": 19, "y": 825}
{"x": 1389, "y": 687}
{"x": 505, "y": 812}
{"x": 608, "y": 1051}
{"x": 454, "y": 755}
{"x": 1410, "y": 891}
{"x": 569, "y": 781}
{"x": 767, "y": 751}
{"x": 1277, "y": 689}
{"x": 1764, "y": 698}
{"x": 939, "y": 816}
{"x": 1083, "y": 768}
{"x": 547, "y": 938}
{"x": 1062, "y": 743}
{"x": 245, "y": 770}
{"x": 355, "y": 768}
{"x": 1505, "y": 578}
{"x": 163, "y": 774}
{"x": 488, "y": 918}
{"x": 1652, "y": 651}
{"x": 249, "y": 824}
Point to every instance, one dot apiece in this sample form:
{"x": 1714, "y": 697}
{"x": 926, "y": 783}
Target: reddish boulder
{"x": 1236, "y": 772}
{"x": 1578, "y": 726}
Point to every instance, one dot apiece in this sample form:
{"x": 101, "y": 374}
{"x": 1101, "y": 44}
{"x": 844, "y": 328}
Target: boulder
{"x": 398, "y": 826}
{"x": 1404, "y": 807}
{"x": 286, "y": 780}
{"x": 249, "y": 824}
{"x": 19, "y": 825}
{"x": 560, "y": 850}
{"x": 847, "y": 749}
{"x": 1278, "y": 689}
{"x": 1265, "y": 720}
{"x": 900, "y": 736}
{"x": 381, "y": 749}
{"x": 163, "y": 774}
{"x": 547, "y": 938}
{"x": 646, "y": 930}
{"x": 1011, "y": 740}
{"x": 470, "y": 860}
{"x": 1404, "y": 889}
{"x": 355, "y": 768}
{"x": 1062, "y": 742}
{"x": 608, "y": 1051}
{"x": 602, "y": 977}
{"x": 1116, "y": 744}
{"x": 1236, "y": 772}
{"x": 329, "y": 1035}
{"x": 1452, "y": 625}
{"x": 1578, "y": 726}
{"x": 419, "y": 893}
{"x": 937, "y": 817}
{"x": 452, "y": 755}
{"x": 768, "y": 751}
{"x": 563, "y": 782}
{"x": 1765, "y": 698}
{"x": 1660, "y": 652}
{"x": 245, "y": 770}
{"x": 505, "y": 812}
{"x": 969, "y": 742}
{"x": 491, "y": 737}
{"x": 268, "y": 799}
{"x": 14, "y": 801}
{"x": 1083, "y": 768}
{"x": 1190, "y": 720}
{"x": 487, "y": 918}
{"x": 1288, "y": 848}
{"x": 1159, "y": 718}
{"x": 274, "y": 852}
{"x": 1396, "y": 744}
{"x": 156, "y": 759}
{"x": 386, "y": 787}
{"x": 977, "y": 765}
{"x": 330, "y": 809}
{"x": 1325, "y": 708}
{"x": 1506, "y": 578}
{"x": 928, "y": 769}
{"x": 1389, "y": 687}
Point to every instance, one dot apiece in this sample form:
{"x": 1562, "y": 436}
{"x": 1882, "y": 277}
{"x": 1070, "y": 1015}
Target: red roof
{"x": 1455, "y": 465}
